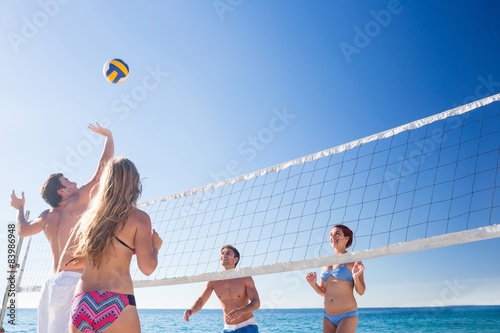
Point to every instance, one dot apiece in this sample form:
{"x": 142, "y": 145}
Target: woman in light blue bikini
{"x": 337, "y": 286}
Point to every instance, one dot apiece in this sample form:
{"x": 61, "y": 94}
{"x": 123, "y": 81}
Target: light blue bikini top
{"x": 340, "y": 273}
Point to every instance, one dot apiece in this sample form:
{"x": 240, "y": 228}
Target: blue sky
{"x": 207, "y": 77}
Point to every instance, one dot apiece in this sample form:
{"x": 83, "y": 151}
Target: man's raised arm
{"x": 107, "y": 154}
{"x": 25, "y": 228}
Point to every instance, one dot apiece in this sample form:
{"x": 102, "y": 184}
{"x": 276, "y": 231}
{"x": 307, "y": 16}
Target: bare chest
{"x": 230, "y": 290}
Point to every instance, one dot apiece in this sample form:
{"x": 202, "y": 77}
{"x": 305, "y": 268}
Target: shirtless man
{"x": 67, "y": 203}
{"x": 238, "y": 297}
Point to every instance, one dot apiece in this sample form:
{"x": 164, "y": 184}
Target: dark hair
{"x": 347, "y": 232}
{"x": 50, "y": 188}
{"x": 236, "y": 252}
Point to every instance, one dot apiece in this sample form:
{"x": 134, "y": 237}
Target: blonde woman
{"x": 110, "y": 232}
{"x": 337, "y": 285}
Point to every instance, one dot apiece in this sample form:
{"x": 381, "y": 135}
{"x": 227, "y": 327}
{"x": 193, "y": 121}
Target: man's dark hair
{"x": 50, "y": 188}
{"x": 232, "y": 248}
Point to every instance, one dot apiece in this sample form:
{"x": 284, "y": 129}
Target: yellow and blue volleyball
{"x": 115, "y": 71}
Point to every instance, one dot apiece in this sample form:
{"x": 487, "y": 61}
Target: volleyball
{"x": 115, "y": 71}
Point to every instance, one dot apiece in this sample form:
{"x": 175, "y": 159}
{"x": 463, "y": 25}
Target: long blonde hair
{"x": 119, "y": 190}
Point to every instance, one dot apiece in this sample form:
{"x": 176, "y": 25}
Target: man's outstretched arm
{"x": 107, "y": 154}
{"x": 198, "y": 304}
{"x": 25, "y": 228}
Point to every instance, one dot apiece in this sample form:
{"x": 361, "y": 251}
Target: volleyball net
{"x": 430, "y": 183}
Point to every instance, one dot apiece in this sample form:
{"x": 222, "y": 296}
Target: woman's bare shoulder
{"x": 139, "y": 216}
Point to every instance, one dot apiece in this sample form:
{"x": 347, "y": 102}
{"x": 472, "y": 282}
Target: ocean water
{"x": 456, "y": 319}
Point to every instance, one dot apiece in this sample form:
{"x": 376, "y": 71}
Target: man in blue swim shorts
{"x": 238, "y": 297}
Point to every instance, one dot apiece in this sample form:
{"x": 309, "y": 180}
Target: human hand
{"x": 157, "y": 241}
{"x": 311, "y": 277}
{"x": 357, "y": 269}
{"x": 232, "y": 316}
{"x": 188, "y": 313}
{"x": 17, "y": 203}
{"x": 99, "y": 130}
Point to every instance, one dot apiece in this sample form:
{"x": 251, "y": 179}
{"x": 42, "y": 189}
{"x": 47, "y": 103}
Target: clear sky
{"x": 206, "y": 76}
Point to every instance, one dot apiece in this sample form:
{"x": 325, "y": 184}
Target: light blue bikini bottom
{"x": 335, "y": 319}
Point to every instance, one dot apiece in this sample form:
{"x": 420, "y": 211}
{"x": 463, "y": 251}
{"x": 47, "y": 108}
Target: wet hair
{"x": 119, "y": 189}
{"x": 347, "y": 233}
{"x": 232, "y": 248}
{"x": 49, "y": 190}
